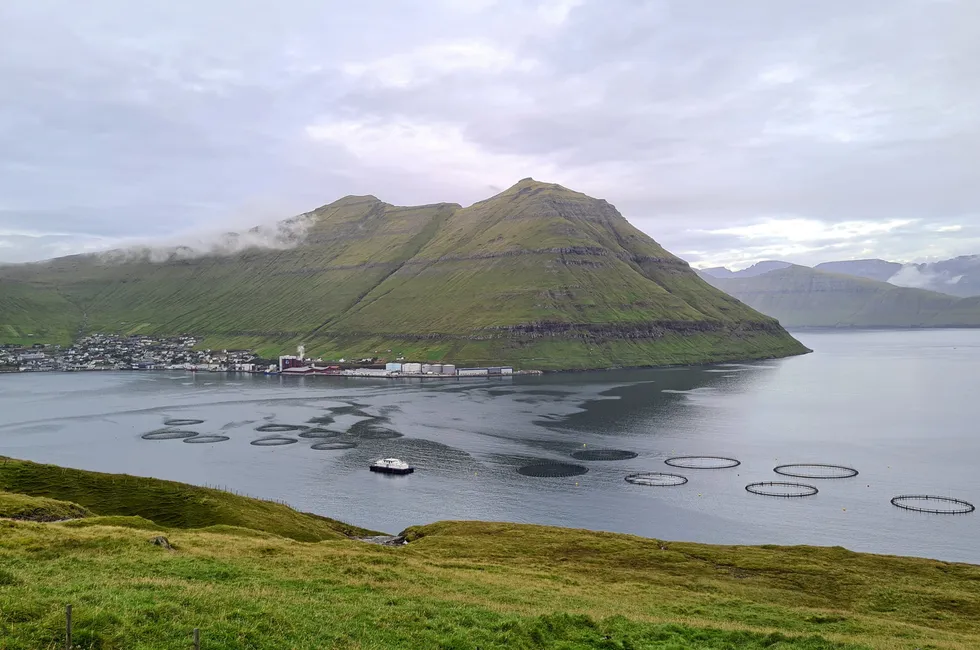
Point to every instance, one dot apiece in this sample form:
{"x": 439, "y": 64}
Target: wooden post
{"x": 197, "y": 639}
{"x": 67, "y": 627}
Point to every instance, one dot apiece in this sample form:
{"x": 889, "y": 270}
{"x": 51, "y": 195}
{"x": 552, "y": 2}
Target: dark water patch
{"x": 274, "y": 441}
{"x": 279, "y": 428}
{"x": 319, "y": 433}
{"x": 178, "y": 422}
{"x": 206, "y": 439}
{"x": 333, "y": 445}
{"x": 604, "y": 454}
{"x": 235, "y": 425}
{"x": 552, "y": 469}
{"x": 168, "y": 434}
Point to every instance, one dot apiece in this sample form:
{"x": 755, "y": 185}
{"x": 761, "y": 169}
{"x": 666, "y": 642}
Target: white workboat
{"x": 391, "y": 466}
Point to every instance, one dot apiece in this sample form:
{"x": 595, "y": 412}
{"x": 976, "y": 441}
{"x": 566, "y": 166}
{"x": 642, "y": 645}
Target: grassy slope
{"x": 802, "y": 297}
{"x": 28, "y": 508}
{"x": 167, "y": 503}
{"x": 433, "y": 282}
{"x": 467, "y": 585}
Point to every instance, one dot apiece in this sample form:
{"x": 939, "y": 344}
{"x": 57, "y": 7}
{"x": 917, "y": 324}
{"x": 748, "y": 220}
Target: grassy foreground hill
{"x": 800, "y": 296}
{"x": 461, "y": 585}
{"x": 537, "y": 276}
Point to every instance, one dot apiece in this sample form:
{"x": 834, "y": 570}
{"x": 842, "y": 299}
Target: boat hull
{"x": 392, "y": 470}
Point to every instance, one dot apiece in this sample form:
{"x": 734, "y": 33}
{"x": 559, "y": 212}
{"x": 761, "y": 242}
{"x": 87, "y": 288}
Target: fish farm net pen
{"x": 703, "y": 462}
{"x": 815, "y": 470}
{"x": 932, "y": 504}
{"x": 656, "y": 479}
{"x": 781, "y": 489}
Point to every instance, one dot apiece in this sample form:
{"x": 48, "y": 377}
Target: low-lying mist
{"x": 282, "y": 235}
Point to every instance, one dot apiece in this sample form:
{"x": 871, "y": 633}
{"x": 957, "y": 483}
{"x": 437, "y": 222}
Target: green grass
{"x": 465, "y": 585}
{"x": 167, "y": 503}
{"x": 28, "y": 508}
{"x": 441, "y": 281}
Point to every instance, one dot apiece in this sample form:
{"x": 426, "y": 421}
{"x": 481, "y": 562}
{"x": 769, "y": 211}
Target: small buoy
{"x": 699, "y": 495}
{"x": 844, "y": 509}
{"x": 576, "y": 483}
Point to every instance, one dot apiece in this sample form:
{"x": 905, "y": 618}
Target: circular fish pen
{"x": 603, "y": 454}
{"x": 552, "y": 470}
{"x": 279, "y": 428}
{"x": 273, "y": 441}
{"x": 168, "y": 434}
{"x": 333, "y": 445}
{"x": 933, "y": 504}
{"x": 656, "y": 479}
{"x": 203, "y": 440}
{"x": 703, "y": 462}
{"x": 176, "y": 422}
{"x": 815, "y": 470}
{"x": 781, "y": 489}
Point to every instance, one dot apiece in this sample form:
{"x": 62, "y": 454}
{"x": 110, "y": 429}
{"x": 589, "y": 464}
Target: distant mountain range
{"x": 959, "y": 276}
{"x": 826, "y": 296}
{"x": 538, "y": 276}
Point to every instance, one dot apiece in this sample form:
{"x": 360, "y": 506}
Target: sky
{"x": 731, "y": 132}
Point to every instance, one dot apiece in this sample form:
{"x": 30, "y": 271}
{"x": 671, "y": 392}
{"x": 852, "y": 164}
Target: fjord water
{"x": 899, "y": 406}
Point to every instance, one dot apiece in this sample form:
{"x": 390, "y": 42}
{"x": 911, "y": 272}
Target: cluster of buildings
{"x": 299, "y": 365}
{"x": 115, "y": 352}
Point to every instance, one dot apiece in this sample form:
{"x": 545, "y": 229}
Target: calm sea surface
{"x": 901, "y": 407}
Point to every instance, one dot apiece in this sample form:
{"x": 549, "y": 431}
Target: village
{"x": 143, "y": 353}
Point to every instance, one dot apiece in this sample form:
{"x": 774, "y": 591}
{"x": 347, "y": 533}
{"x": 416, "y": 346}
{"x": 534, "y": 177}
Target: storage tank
{"x": 393, "y": 367}
{"x": 412, "y": 368}
{"x": 435, "y": 369}
{"x": 426, "y": 368}
{"x": 448, "y": 369}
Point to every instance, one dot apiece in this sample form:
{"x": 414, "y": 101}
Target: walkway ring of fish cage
{"x": 203, "y": 440}
{"x": 279, "y": 428}
{"x": 178, "y": 422}
{"x": 956, "y": 506}
{"x": 703, "y": 462}
{"x": 168, "y": 434}
{"x": 273, "y": 441}
{"x": 816, "y": 471}
{"x": 782, "y": 489}
{"x": 656, "y": 479}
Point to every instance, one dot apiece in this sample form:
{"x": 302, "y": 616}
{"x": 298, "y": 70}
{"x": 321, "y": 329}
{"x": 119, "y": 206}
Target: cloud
{"x": 430, "y": 62}
{"x": 730, "y": 132}
{"x": 911, "y": 276}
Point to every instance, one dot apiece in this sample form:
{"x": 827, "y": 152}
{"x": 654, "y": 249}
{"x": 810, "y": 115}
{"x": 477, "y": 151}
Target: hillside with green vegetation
{"x": 538, "y": 276}
{"x": 461, "y": 585}
{"x": 56, "y": 490}
{"x": 799, "y": 296}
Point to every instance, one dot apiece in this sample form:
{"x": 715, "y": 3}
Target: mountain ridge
{"x": 537, "y": 276}
{"x": 800, "y": 296}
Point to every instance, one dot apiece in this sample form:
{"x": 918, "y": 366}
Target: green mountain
{"x": 537, "y": 276}
{"x": 799, "y": 296}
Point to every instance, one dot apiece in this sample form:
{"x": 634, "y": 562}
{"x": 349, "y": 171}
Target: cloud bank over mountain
{"x": 732, "y": 132}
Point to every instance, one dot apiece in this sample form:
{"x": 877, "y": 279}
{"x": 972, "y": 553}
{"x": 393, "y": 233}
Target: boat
{"x": 391, "y": 466}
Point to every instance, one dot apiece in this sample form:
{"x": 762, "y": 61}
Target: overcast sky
{"x": 728, "y": 131}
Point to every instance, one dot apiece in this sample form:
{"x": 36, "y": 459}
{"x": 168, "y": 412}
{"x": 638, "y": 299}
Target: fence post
{"x": 67, "y": 627}
{"x": 197, "y": 639}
